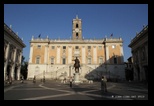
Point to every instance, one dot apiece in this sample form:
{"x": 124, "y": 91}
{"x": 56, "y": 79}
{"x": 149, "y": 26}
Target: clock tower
{"x": 77, "y": 29}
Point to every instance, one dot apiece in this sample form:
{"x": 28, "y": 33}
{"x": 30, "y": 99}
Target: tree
{"x": 22, "y": 59}
{"x": 24, "y": 65}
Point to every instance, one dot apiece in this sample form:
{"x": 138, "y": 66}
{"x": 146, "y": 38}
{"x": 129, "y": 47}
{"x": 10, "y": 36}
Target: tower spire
{"x": 76, "y": 16}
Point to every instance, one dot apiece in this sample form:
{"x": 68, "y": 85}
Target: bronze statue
{"x": 77, "y": 65}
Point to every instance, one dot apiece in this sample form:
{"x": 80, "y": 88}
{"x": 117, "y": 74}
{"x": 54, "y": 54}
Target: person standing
{"x": 34, "y": 79}
{"x": 103, "y": 83}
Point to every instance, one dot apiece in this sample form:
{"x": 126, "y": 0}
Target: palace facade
{"x": 52, "y": 58}
{"x": 13, "y": 49}
{"x": 139, "y": 49}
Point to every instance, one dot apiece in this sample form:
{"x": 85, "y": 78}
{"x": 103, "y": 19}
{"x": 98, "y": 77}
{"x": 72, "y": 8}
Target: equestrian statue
{"x": 76, "y": 65}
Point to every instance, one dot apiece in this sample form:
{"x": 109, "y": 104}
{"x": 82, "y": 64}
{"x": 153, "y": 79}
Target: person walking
{"x": 22, "y": 79}
{"x": 71, "y": 80}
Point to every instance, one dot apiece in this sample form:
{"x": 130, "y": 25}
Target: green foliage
{"x": 24, "y": 66}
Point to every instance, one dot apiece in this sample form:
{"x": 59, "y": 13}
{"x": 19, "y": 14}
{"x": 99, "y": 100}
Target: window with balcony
{"x": 37, "y": 60}
{"x": 52, "y": 60}
{"x": 100, "y": 60}
{"x": 64, "y": 61}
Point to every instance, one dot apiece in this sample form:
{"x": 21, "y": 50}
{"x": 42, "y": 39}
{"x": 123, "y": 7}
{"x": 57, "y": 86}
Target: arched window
{"x": 115, "y": 59}
{"x": 77, "y": 35}
{"x": 77, "y": 25}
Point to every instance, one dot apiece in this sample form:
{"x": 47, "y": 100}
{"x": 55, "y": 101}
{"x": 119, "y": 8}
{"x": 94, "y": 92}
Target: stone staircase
{"x": 86, "y": 72}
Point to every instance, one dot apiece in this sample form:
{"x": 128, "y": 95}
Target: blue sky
{"x": 55, "y": 21}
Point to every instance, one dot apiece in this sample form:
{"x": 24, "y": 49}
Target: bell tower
{"x": 77, "y": 29}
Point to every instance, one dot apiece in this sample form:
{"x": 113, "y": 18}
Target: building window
{"x": 100, "y": 60}
{"x": 113, "y": 46}
{"x": 52, "y": 47}
{"x": 100, "y": 47}
{"x": 64, "y": 47}
{"x": 38, "y": 46}
{"x": 18, "y": 60}
{"x": 64, "y": 61}
{"x": 77, "y": 25}
{"x": 52, "y": 60}
{"x": 37, "y": 60}
{"x": 17, "y": 56}
{"x": 115, "y": 60}
{"x": 12, "y": 53}
{"x": 136, "y": 58}
{"x": 89, "y": 47}
{"x": 76, "y": 47}
{"x": 89, "y": 60}
{"x": 77, "y": 35}
{"x": 143, "y": 54}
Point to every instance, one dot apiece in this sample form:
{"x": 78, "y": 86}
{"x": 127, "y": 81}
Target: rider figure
{"x": 77, "y": 64}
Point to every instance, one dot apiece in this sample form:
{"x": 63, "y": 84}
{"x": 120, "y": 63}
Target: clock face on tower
{"x": 76, "y": 30}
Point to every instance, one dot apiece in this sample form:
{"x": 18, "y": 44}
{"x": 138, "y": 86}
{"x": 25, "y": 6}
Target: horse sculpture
{"x": 77, "y": 65}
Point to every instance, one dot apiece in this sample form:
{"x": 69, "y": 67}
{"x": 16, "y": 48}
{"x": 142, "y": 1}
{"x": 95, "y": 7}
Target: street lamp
{"x": 109, "y": 74}
{"x": 56, "y": 74}
{"x": 70, "y": 71}
{"x": 44, "y": 76}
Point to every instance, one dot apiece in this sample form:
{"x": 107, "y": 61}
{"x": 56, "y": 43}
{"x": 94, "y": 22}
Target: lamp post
{"x": 44, "y": 76}
{"x": 109, "y": 74}
{"x": 70, "y": 71}
{"x": 56, "y": 74}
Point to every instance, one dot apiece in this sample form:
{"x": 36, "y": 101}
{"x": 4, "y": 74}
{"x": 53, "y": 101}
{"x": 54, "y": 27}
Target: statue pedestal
{"x": 76, "y": 78}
